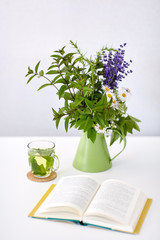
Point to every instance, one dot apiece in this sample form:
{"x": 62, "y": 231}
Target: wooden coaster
{"x": 31, "y": 177}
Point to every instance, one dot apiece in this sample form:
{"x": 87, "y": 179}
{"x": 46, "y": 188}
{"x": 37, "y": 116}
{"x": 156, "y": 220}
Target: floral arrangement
{"x": 93, "y": 101}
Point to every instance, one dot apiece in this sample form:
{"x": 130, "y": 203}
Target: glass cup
{"x": 42, "y": 158}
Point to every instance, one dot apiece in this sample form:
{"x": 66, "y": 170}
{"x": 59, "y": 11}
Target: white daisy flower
{"x": 108, "y": 92}
{"x": 115, "y": 103}
{"x": 124, "y": 94}
{"x": 99, "y": 129}
{"x": 107, "y": 89}
{"x": 109, "y": 96}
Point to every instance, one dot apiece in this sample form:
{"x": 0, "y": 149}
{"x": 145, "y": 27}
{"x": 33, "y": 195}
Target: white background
{"x": 30, "y": 30}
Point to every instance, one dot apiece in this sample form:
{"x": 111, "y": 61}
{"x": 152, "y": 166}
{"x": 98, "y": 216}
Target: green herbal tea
{"x": 41, "y": 161}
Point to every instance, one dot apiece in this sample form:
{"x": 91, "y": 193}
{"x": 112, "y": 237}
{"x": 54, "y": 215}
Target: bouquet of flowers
{"x": 93, "y": 101}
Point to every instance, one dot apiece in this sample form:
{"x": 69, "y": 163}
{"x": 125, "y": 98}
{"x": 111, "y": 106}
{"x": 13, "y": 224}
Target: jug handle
{"x": 125, "y": 142}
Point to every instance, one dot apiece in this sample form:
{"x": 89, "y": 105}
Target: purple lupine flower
{"x": 115, "y": 68}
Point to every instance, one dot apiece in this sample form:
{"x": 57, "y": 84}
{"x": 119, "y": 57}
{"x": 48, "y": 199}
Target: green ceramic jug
{"x": 93, "y": 157}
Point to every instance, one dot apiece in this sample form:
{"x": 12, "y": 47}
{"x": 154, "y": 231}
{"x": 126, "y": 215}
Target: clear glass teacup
{"x": 42, "y": 158}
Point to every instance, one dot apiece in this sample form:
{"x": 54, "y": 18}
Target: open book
{"x": 113, "y": 204}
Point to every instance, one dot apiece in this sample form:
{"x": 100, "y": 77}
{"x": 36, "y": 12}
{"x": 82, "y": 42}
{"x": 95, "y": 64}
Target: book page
{"x": 71, "y": 192}
{"x": 114, "y": 199}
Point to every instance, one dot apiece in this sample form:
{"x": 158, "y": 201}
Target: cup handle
{"x": 125, "y": 142}
{"x": 57, "y": 159}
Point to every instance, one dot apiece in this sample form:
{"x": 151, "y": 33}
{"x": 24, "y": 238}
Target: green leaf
{"x": 61, "y": 51}
{"x": 134, "y": 119}
{"x": 54, "y": 80}
{"x": 89, "y": 103}
{"x": 135, "y": 126}
{"x": 30, "y": 71}
{"x": 72, "y": 123}
{"x": 68, "y": 55}
{"x": 66, "y": 123}
{"x": 99, "y": 107}
{"x": 41, "y": 73}
{"x": 80, "y": 123}
{"x": 131, "y": 123}
{"x": 49, "y": 161}
{"x": 67, "y": 96}
{"x": 128, "y": 125}
{"x": 31, "y": 78}
{"x": 37, "y": 169}
{"x": 103, "y": 100}
{"x": 27, "y": 74}
{"x": 87, "y": 90}
{"x": 52, "y": 66}
{"x": 56, "y": 56}
{"x": 61, "y": 62}
{"x": 91, "y": 134}
{"x": 36, "y": 67}
{"x": 99, "y": 65}
{"x": 54, "y": 112}
{"x": 77, "y": 101}
{"x": 64, "y": 70}
{"x": 57, "y": 122}
{"x": 88, "y": 124}
{"x": 76, "y": 85}
{"x": 44, "y": 85}
{"x": 101, "y": 104}
{"x": 61, "y": 90}
{"x": 61, "y": 80}
{"x": 98, "y": 118}
{"x": 61, "y": 111}
{"x": 66, "y": 104}
{"x": 122, "y": 121}
{"x": 67, "y": 77}
{"x": 76, "y": 60}
{"x": 52, "y": 72}
{"x": 114, "y": 137}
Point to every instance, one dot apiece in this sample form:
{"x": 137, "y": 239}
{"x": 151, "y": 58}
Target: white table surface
{"x": 139, "y": 165}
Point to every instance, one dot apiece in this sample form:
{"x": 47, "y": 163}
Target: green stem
{"x": 92, "y": 77}
{"x": 69, "y": 78}
{"x": 83, "y": 98}
{"x": 65, "y": 81}
{"x": 48, "y": 80}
